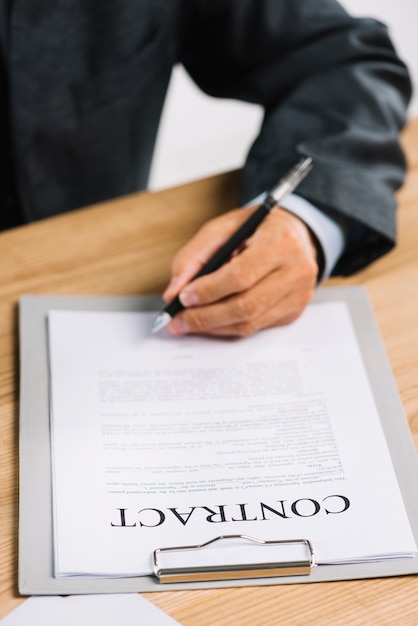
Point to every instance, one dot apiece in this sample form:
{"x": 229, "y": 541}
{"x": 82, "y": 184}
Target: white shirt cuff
{"x": 328, "y": 232}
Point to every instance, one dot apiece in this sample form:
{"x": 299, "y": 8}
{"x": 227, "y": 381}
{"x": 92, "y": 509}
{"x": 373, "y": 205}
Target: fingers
{"x": 195, "y": 254}
{"x": 268, "y": 284}
{"x": 274, "y": 301}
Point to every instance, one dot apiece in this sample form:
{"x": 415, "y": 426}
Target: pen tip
{"x": 160, "y": 322}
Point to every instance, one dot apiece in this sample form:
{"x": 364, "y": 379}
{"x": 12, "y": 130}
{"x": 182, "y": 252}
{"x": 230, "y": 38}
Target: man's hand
{"x": 266, "y": 283}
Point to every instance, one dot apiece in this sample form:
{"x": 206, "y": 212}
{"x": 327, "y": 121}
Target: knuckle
{"x": 245, "y": 308}
{"x": 244, "y": 277}
{"x": 245, "y": 329}
{"x": 292, "y": 317}
{"x": 209, "y": 227}
{"x": 227, "y": 221}
{"x": 197, "y": 321}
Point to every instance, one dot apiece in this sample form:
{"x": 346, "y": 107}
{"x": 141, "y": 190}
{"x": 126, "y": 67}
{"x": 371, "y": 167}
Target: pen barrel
{"x": 174, "y": 307}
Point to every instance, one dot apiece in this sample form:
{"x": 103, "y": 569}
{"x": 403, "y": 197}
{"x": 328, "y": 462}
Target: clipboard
{"x": 35, "y": 520}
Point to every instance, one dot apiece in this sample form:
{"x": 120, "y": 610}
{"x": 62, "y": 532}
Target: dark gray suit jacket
{"x": 89, "y": 77}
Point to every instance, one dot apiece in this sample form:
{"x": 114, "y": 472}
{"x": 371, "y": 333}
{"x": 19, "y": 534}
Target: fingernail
{"x": 178, "y": 326}
{"x": 188, "y": 298}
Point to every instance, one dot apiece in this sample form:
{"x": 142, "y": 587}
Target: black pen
{"x": 286, "y": 185}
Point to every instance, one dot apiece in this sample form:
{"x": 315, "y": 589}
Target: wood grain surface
{"x": 124, "y": 247}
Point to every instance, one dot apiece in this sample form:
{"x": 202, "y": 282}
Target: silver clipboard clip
{"x": 171, "y": 573}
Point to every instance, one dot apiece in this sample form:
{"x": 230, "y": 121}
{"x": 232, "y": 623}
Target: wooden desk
{"x": 125, "y": 247}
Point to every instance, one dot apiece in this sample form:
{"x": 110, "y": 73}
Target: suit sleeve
{"x": 332, "y": 87}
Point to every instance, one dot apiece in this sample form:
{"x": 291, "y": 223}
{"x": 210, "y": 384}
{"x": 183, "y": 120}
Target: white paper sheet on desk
{"x": 160, "y": 441}
{"x": 88, "y": 610}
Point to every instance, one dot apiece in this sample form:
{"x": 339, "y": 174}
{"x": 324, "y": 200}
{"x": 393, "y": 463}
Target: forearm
{"x": 333, "y": 88}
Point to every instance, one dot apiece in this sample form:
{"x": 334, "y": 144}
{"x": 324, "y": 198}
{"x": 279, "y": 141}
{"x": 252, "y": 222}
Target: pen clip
{"x": 292, "y": 178}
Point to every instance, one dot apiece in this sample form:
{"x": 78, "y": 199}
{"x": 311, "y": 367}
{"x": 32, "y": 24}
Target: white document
{"x": 86, "y": 610}
{"x": 160, "y": 441}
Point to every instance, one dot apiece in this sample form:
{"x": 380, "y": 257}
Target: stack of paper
{"x": 160, "y": 441}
